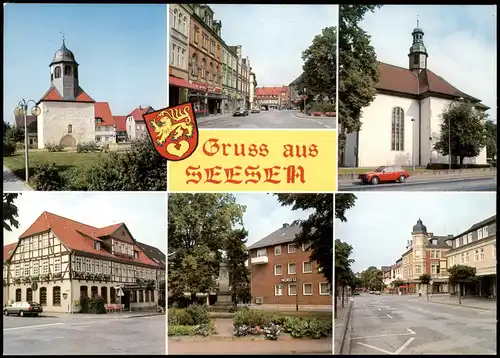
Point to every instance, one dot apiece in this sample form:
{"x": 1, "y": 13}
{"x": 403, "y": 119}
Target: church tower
{"x": 64, "y": 73}
{"x": 418, "y": 53}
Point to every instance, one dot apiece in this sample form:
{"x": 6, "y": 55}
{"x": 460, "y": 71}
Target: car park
{"x": 382, "y": 174}
{"x": 23, "y": 309}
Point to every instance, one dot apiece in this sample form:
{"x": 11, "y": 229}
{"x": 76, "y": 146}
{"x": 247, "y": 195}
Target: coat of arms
{"x": 174, "y": 131}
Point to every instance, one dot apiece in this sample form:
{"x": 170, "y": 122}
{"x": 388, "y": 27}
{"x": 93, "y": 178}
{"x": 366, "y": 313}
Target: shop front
{"x": 198, "y": 96}
{"x": 178, "y": 89}
{"x": 215, "y": 98}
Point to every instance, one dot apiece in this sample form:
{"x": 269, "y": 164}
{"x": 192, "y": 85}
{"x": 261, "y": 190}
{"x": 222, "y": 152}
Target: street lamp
{"x": 22, "y": 110}
{"x": 413, "y": 145}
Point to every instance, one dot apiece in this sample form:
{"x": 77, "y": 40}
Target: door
{"x": 125, "y": 300}
{"x": 389, "y": 174}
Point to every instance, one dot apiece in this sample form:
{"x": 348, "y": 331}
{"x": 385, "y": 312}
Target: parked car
{"x": 385, "y": 174}
{"x": 255, "y": 110}
{"x": 372, "y": 292}
{"x": 355, "y": 293}
{"x": 23, "y": 309}
{"x": 240, "y": 112}
{"x": 377, "y": 292}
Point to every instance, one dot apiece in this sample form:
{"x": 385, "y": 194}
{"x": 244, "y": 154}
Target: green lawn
{"x": 63, "y": 160}
{"x": 364, "y": 170}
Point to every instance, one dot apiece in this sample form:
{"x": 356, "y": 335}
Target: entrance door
{"x": 125, "y": 300}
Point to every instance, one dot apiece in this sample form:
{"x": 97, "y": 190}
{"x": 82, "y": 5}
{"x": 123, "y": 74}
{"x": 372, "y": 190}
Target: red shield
{"x": 174, "y": 131}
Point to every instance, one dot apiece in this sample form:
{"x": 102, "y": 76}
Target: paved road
{"x": 405, "y": 325}
{"x": 265, "y": 119}
{"x": 69, "y": 336}
{"x": 476, "y": 183}
{"x": 13, "y": 183}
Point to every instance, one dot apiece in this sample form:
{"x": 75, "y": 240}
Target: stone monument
{"x": 224, "y": 301}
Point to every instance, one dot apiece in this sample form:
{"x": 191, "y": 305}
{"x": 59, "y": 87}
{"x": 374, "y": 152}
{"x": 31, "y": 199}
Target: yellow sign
{"x": 258, "y": 160}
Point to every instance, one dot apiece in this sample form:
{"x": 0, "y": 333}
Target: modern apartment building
{"x": 283, "y": 274}
{"x": 58, "y": 260}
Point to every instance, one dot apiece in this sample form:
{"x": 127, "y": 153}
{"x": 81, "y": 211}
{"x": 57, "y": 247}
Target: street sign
{"x": 431, "y": 282}
{"x": 34, "y": 286}
{"x": 120, "y": 292}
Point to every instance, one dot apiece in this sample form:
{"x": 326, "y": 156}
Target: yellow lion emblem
{"x": 176, "y": 122}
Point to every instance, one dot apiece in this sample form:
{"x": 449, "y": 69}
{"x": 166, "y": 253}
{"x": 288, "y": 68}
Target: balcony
{"x": 259, "y": 260}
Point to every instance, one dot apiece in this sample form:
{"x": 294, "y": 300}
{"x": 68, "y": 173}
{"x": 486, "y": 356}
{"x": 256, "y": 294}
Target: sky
{"x": 379, "y": 225}
{"x": 121, "y": 50}
{"x": 460, "y": 41}
{"x": 264, "y": 215}
{"x": 144, "y": 213}
{"x": 274, "y": 36}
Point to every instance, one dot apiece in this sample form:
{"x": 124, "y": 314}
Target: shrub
{"x": 330, "y": 114}
{"x": 191, "y": 316}
{"x": 312, "y": 327}
{"x": 9, "y": 147}
{"x": 87, "y": 147}
{"x": 52, "y": 147}
{"x": 177, "y": 330}
{"x": 16, "y": 134}
{"x": 446, "y": 166}
{"x": 97, "y": 305}
{"x": 251, "y": 318}
{"x": 46, "y": 177}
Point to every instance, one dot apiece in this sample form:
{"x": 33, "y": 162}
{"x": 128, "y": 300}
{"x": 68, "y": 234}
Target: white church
{"x": 402, "y": 124}
{"x": 67, "y": 113}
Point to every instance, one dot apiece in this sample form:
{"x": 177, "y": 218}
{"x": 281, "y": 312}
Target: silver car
{"x": 23, "y": 309}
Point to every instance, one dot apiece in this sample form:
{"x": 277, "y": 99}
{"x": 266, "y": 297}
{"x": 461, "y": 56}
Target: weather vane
{"x": 62, "y": 34}
{"x": 417, "y": 22}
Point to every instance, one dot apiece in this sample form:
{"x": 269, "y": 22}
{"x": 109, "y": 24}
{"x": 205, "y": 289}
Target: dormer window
{"x": 136, "y": 254}
{"x": 97, "y": 245}
{"x": 98, "y": 120}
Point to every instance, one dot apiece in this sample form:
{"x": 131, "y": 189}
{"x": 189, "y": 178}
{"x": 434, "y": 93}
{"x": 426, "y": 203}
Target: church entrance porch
{"x": 68, "y": 141}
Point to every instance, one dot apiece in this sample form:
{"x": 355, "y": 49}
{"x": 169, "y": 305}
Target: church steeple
{"x": 418, "y": 53}
{"x": 64, "y": 73}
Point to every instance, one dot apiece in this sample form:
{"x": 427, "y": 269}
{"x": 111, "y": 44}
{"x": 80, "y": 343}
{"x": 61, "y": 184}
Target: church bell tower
{"x": 418, "y": 53}
{"x": 64, "y": 73}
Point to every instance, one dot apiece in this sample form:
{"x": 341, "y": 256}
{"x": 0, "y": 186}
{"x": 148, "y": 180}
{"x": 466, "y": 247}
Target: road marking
{"x": 400, "y": 349}
{"x": 384, "y": 335}
{"x": 377, "y": 349}
{"x": 389, "y": 316}
{"x": 37, "y": 326}
{"x": 411, "y": 332}
{"x": 380, "y": 309}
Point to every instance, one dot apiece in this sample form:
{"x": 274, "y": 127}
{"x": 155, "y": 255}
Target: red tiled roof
{"x": 7, "y": 250}
{"x": 79, "y": 237}
{"x": 284, "y": 89}
{"x": 402, "y": 80}
{"x": 53, "y": 95}
{"x": 267, "y": 91}
{"x": 103, "y": 111}
{"x": 120, "y": 123}
{"x": 138, "y": 112}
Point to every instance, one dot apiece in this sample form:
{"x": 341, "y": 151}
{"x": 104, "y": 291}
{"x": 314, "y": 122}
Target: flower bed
{"x": 193, "y": 320}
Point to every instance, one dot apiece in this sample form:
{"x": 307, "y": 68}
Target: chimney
{"x": 140, "y": 107}
{"x": 285, "y": 225}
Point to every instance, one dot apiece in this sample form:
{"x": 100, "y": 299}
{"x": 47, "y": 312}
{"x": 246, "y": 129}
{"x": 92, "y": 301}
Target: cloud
{"x": 460, "y": 41}
{"x": 143, "y": 213}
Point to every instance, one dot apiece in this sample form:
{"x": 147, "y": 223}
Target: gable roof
{"x": 297, "y": 81}
{"x": 283, "y": 235}
{"x": 77, "y": 236}
{"x": 139, "y": 111}
{"x": 267, "y": 91}
{"x": 153, "y": 253}
{"x": 8, "y": 250}
{"x": 402, "y": 80}
{"x": 103, "y": 111}
{"x": 53, "y": 95}
{"x": 120, "y": 123}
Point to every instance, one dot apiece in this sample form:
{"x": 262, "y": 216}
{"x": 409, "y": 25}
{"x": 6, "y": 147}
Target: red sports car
{"x": 385, "y": 174}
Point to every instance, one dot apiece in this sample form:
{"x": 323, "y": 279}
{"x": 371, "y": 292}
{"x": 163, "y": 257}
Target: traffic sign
{"x": 120, "y": 292}
{"x": 431, "y": 282}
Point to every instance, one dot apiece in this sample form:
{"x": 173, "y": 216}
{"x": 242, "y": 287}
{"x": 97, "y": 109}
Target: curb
{"x": 232, "y": 338}
{"x": 146, "y": 315}
{"x": 457, "y": 305}
{"x": 311, "y": 117}
{"x": 345, "y": 329}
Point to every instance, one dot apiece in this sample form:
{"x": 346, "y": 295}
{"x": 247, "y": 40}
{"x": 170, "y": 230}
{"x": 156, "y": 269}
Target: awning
{"x": 179, "y": 82}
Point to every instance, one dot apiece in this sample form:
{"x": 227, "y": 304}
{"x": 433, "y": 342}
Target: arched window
{"x": 56, "y": 296}
{"x": 184, "y": 22}
{"x": 94, "y": 291}
{"x": 43, "y": 296}
{"x": 398, "y": 129}
{"x": 18, "y": 295}
{"x": 211, "y": 75}
{"x": 84, "y": 291}
{"x": 29, "y": 295}
{"x": 174, "y": 25}
{"x": 194, "y": 65}
{"x": 57, "y": 72}
{"x": 67, "y": 70}
{"x": 203, "y": 68}
{"x": 104, "y": 293}
{"x": 70, "y": 128}
{"x": 112, "y": 295}
{"x": 179, "y": 23}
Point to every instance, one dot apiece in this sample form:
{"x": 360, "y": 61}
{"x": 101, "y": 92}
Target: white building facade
{"x": 402, "y": 124}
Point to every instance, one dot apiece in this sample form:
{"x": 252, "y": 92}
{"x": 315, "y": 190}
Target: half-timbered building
{"x": 58, "y": 260}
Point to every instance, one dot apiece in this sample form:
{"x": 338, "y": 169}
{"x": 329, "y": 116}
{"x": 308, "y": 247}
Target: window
{"x": 203, "y": 68}
{"x": 418, "y": 269}
{"x": 57, "y": 265}
{"x": 306, "y": 247}
{"x": 184, "y": 25}
{"x": 18, "y": 295}
{"x": 292, "y": 289}
{"x": 469, "y": 238}
{"x": 88, "y": 265}
{"x": 433, "y": 269}
{"x": 36, "y": 268}
{"x": 292, "y": 268}
{"x": 467, "y": 256}
{"x": 97, "y": 245}
{"x": 261, "y": 252}
{"x": 462, "y": 258}
{"x": 457, "y": 242}
{"x": 43, "y": 296}
{"x": 485, "y": 232}
{"x": 324, "y": 289}
{"x": 57, "y": 72}
{"x": 67, "y": 70}
{"x": 476, "y": 255}
{"x": 278, "y": 290}
{"x": 278, "y": 270}
{"x": 78, "y": 263}
{"x": 479, "y": 234}
{"x": 70, "y": 128}
{"x": 26, "y": 269}
{"x": 433, "y": 254}
{"x": 277, "y": 250}
{"x": 307, "y": 267}
{"x": 291, "y": 248}
{"x": 307, "y": 289}
{"x": 56, "y": 296}
{"x": 398, "y": 125}
{"x": 35, "y": 243}
{"x": 18, "y": 270}
{"x": 196, "y": 33}
{"x": 481, "y": 254}
{"x": 438, "y": 254}
{"x": 29, "y": 295}
{"x": 212, "y": 46}
{"x": 45, "y": 267}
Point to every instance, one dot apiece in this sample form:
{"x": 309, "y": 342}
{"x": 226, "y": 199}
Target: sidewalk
{"x": 331, "y": 121}
{"x": 471, "y": 302}
{"x": 341, "y": 324}
{"x": 13, "y": 183}
{"x": 115, "y": 315}
{"x": 201, "y": 119}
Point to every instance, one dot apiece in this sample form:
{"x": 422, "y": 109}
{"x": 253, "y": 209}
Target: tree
{"x": 372, "y": 278}
{"x": 317, "y": 229}
{"x": 239, "y": 275}
{"x": 320, "y": 63}
{"x": 343, "y": 202}
{"x": 358, "y": 70}
{"x": 462, "y": 127}
{"x": 425, "y": 279}
{"x": 16, "y": 134}
{"x": 343, "y": 270}
{"x": 460, "y": 274}
{"x": 10, "y": 211}
{"x": 491, "y": 138}
{"x": 397, "y": 283}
